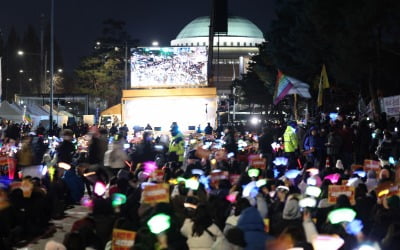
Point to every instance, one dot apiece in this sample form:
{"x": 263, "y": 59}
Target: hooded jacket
{"x": 291, "y": 142}
{"x": 252, "y": 225}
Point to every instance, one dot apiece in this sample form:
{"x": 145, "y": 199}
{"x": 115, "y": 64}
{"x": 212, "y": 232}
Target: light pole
{"x": 43, "y": 77}
{"x": 51, "y": 68}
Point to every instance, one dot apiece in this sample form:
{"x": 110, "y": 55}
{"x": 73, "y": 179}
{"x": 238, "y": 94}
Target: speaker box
{"x": 220, "y": 16}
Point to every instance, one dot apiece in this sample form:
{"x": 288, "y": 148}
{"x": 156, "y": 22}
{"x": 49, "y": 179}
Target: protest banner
{"x": 123, "y": 239}
{"x": 256, "y": 161}
{"x": 334, "y": 191}
{"x": 156, "y": 193}
{"x": 157, "y": 175}
{"x": 218, "y": 175}
{"x": 371, "y": 165}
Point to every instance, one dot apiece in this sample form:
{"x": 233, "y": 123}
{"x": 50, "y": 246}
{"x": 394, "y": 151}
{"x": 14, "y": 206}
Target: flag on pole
{"x": 283, "y": 85}
{"x": 1, "y": 77}
{"x": 27, "y": 118}
{"x": 323, "y": 84}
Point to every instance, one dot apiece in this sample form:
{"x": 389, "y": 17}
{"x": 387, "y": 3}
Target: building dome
{"x": 241, "y": 32}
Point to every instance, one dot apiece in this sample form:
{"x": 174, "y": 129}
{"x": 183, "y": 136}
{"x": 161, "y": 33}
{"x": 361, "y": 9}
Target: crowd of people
{"x": 226, "y": 188}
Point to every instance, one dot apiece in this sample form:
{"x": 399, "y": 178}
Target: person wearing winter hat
{"x": 252, "y": 225}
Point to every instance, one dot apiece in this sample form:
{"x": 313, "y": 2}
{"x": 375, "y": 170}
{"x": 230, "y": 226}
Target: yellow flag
{"x": 323, "y": 84}
{"x": 324, "y": 78}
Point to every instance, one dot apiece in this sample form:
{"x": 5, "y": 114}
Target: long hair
{"x": 201, "y": 221}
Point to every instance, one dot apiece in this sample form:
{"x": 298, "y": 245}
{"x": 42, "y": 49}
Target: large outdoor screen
{"x": 168, "y": 67}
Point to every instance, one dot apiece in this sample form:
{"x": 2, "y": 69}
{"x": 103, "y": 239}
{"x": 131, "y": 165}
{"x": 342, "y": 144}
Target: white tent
{"x": 59, "y": 116}
{"x": 10, "y": 112}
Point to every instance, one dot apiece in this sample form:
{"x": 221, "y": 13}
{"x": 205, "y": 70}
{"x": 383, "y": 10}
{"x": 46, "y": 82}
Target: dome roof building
{"x": 241, "y": 32}
{"x": 232, "y": 50}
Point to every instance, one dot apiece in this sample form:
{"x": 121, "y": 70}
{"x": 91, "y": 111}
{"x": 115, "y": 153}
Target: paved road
{"x": 62, "y": 227}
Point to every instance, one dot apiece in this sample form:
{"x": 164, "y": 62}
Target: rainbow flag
{"x": 27, "y": 118}
{"x": 282, "y": 88}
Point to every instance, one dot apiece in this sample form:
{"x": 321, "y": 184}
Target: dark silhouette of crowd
{"x": 218, "y": 197}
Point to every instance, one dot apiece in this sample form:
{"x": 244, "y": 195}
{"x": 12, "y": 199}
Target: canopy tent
{"x": 113, "y": 110}
{"x": 32, "y": 113}
{"x": 10, "y": 112}
{"x": 61, "y": 117}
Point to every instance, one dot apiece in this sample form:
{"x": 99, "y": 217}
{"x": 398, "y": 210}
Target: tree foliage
{"x": 101, "y": 74}
{"x": 357, "y": 40}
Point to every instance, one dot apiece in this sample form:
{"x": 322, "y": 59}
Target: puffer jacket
{"x": 252, "y": 225}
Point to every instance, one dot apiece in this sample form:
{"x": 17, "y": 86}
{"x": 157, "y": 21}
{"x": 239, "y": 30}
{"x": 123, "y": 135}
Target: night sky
{"x": 78, "y": 22}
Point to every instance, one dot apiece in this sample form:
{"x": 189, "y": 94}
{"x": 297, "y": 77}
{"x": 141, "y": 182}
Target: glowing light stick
{"x": 173, "y": 181}
{"x": 44, "y": 170}
{"x": 86, "y": 202}
{"x": 327, "y": 242}
{"x": 52, "y": 171}
{"x": 308, "y": 202}
{"x": 313, "y": 191}
{"x": 280, "y": 161}
{"x": 383, "y": 192}
{"x": 197, "y": 171}
{"x": 192, "y": 184}
{"x": 100, "y": 188}
{"x": 189, "y": 205}
{"x": 247, "y": 190}
{"x": 232, "y": 197}
{"x": 149, "y": 167}
{"x": 354, "y": 227}
{"x": 292, "y": 174}
{"x": 341, "y": 215}
{"x": 283, "y": 188}
{"x": 159, "y": 223}
{"x": 118, "y": 199}
{"x": 360, "y": 173}
{"x": 334, "y": 178}
{"x": 180, "y": 179}
{"x": 205, "y": 181}
{"x": 64, "y": 165}
{"x": 276, "y": 173}
{"x": 313, "y": 171}
{"x": 253, "y": 172}
{"x": 261, "y": 182}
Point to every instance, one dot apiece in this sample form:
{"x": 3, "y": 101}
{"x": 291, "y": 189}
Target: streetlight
{"x": 44, "y": 66}
{"x": 60, "y": 70}
{"x": 154, "y": 43}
